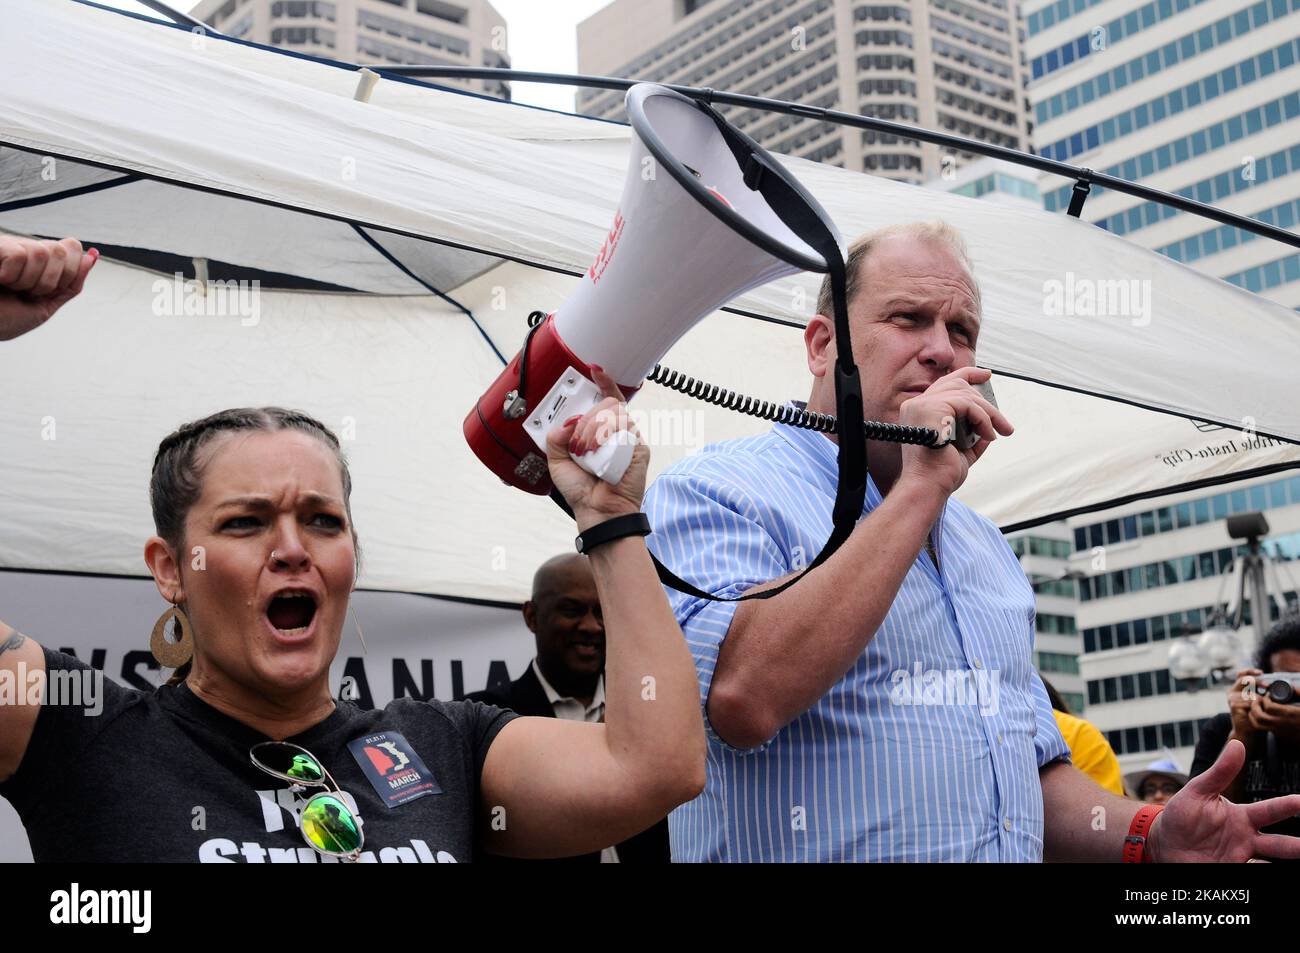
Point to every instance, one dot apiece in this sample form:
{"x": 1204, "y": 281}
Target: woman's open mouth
{"x": 291, "y": 613}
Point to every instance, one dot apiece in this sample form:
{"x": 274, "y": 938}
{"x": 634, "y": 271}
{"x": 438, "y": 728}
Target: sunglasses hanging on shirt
{"x": 327, "y": 823}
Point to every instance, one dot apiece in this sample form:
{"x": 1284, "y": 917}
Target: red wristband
{"x": 1135, "y": 844}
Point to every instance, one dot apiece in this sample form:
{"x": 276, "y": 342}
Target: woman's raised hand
{"x": 593, "y": 500}
{"x": 37, "y": 277}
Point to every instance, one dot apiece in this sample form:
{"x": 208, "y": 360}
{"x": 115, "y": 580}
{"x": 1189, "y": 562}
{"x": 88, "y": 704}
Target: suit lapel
{"x": 528, "y": 697}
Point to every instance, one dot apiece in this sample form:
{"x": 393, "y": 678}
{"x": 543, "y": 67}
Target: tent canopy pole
{"x": 1084, "y": 179}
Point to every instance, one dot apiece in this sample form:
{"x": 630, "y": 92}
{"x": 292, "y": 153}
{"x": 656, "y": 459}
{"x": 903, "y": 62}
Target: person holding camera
{"x": 1268, "y": 726}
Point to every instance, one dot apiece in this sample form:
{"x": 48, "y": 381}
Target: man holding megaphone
{"x": 886, "y": 708}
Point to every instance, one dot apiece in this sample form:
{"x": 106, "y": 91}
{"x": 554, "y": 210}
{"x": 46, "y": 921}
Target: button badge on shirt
{"x": 392, "y": 767}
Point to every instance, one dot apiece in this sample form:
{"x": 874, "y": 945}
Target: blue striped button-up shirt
{"x": 929, "y": 747}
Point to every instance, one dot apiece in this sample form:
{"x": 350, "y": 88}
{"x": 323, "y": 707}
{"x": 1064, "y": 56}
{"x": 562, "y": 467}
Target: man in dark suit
{"x": 566, "y": 679}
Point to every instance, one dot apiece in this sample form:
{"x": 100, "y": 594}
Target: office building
{"x": 991, "y": 180}
{"x": 1200, "y": 98}
{"x": 387, "y": 32}
{"x": 946, "y": 65}
{"x": 1156, "y": 570}
{"x": 1044, "y": 554}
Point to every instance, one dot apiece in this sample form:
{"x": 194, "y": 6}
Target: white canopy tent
{"x": 399, "y": 244}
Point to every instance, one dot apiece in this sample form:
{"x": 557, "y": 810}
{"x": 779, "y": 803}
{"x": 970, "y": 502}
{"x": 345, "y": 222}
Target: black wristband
{"x": 630, "y": 524}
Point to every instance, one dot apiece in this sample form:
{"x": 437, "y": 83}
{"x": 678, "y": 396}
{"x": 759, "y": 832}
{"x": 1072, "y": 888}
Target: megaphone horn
{"x": 692, "y": 231}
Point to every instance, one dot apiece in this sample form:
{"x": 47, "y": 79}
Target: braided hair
{"x": 177, "y": 480}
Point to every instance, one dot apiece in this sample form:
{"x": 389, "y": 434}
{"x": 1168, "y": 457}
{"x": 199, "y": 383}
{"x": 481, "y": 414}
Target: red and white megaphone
{"x": 693, "y": 230}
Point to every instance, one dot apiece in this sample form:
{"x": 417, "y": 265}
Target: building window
{"x": 1266, "y": 116}
{"x": 412, "y": 33}
{"x": 242, "y": 27}
{"x": 1194, "y": 513}
{"x": 443, "y": 11}
{"x": 303, "y": 8}
{"x": 301, "y": 35}
{"x": 1058, "y": 662}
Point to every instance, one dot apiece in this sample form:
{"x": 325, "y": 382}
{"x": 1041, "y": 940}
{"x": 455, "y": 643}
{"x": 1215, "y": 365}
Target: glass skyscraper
{"x": 1200, "y": 98}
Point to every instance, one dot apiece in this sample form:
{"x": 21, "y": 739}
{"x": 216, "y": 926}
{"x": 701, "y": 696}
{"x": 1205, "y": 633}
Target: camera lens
{"x": 1281, "y": 692}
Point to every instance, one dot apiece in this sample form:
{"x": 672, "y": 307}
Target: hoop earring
{"x": 172, "y": 654}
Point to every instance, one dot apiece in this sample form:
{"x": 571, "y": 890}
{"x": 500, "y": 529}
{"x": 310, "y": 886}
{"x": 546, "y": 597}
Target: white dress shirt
{"x": 571, "y": 709}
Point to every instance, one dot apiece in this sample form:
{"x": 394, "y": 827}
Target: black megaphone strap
{"x": 795, "y": 209}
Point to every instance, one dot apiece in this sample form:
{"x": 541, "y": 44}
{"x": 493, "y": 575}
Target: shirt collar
{"x": 552, "y": 696}
{"x": 823, "y": 453}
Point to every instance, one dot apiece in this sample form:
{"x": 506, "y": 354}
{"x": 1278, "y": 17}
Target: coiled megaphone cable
{"x": 784, "y": 413}
{"x": 762, "y": 409}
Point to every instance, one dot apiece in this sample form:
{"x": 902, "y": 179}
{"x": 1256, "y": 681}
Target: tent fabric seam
{"x": 392, "y": 259}
{"x": 1234, "y": 477}
{"x": 528, "y": 264}
{"x": 333, "y": 217}
{"x": 16, "y": 204}
{"x": 1141, "y": 406}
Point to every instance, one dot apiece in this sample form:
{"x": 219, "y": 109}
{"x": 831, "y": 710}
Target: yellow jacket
{"x": 1090, "y": 752}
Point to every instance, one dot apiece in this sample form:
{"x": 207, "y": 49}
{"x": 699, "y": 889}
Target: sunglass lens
{"x": 330, "y": 826}
{"x": 290, "y": 761}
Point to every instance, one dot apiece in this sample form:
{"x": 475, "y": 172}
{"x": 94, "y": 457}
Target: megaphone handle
{"x": 574, "y": 393}
{"x": 964, "y": 438}
{"x": 610, "y": 460}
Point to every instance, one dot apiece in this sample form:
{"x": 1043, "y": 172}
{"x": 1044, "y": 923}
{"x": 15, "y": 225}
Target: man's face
{"x": 914, "y": 318}
{"x": 1288, "y": 660}
{"x": 566, "y": 619}
{"x": 1159, "y": 788}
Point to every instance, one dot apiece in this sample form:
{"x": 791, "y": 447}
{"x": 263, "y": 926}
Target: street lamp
{"x": 1187, "y": 663}
{"x": 1067, "y": 573}
{"x": 1220, "y": 647}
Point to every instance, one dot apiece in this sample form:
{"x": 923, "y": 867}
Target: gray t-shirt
{"x": 163, "y": 777}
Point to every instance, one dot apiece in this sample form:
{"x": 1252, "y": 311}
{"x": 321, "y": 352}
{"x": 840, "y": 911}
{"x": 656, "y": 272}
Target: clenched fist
{"x": 37, "y": 277}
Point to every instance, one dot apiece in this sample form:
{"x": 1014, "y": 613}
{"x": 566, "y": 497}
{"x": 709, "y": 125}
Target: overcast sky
{"x": 541, "y": 37}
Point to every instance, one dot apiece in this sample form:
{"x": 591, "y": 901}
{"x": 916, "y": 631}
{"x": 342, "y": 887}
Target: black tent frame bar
{"x": 1084, "y": 179}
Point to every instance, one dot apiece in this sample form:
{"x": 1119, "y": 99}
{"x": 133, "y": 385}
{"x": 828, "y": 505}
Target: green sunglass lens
{"x": 305, "y": 769}
{"x": 330, "y": 826}
{"x": 290, "y": 761}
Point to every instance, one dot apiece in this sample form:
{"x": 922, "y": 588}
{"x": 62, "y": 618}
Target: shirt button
{"x": 1007, "y": 823}
{"x": 978, "y": 664}
{"x": 999, "y": 737}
